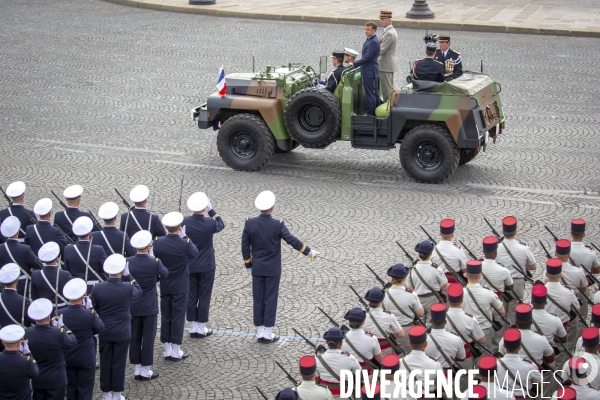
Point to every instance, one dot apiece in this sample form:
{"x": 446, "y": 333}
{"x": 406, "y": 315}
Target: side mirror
{"x": 323, "y": 65}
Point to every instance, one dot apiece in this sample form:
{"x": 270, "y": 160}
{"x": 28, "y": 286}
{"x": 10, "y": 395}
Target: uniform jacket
{"x": 20, "y": 212}
{"x": 48, "y": 233}
{"x": 261, "y": 244}
{"x": 456, "y": 60}
{"x": 176, "y": 254}
{"x": 61, "y": 221}
{"x": 39, "y": 287}
{"x": 77, "y": 267}
{"x": 388, "y": 59}
{"x": 111, "y": 299}
{"x": 84, "y": 324}
{"x": 429, "y": 69}
{"x": 146, "y": 271}
{"x": 16, "y": 370}
{"x": 143, "y": 217}
{"x": 368, "y": 62}
{"x": 48, "y": 346}
{"x": 21, "y": 253}
{"x": 13, "y": 302}
{"x": 115, "y": 239}
{"x": 200, "y": 230}
{"x": 334, "y": 78}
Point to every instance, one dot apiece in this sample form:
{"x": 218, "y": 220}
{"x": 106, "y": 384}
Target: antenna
{"x": 253, "y": 62}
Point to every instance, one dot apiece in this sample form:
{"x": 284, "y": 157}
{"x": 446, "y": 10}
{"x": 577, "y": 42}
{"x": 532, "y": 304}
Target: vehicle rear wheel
{"x": 245, "y": 142}
{"x": 313, "y": 117}
{"x": 429, "y": 154}
{"x": 467, "y": 155}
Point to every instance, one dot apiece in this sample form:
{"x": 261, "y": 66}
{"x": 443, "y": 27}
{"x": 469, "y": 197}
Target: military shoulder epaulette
{"x": 409, "y": 290}
{"x": 215, "y": 216}
{"x": 323, "y": 386}
{"x": 527, "y": 359}
{"x": 500, "y": 264}
{"x": 247, "y": 219}
{"x": 434, "y": 265}
{"x": 454, "y": 333}
{"x": 539, "y": 333}
{"x": 156, "y": 259}
{"x": 345, "y": 353}
{"x": 388, "y": 311}
{"x": 95, "y": 284}
{"x": 432, "y": 358}
{"x": 188, "y": 240}
{"x": 281, "y": 221}
{"x": 156, "y": 238}
{"x": 369, "y": 333}
{"x": 93, "y": 311}
{"x": 470, "y": 315}
{"x": 523, "y": 243}
{"x": 131, "y": 282}
{"x": 585, "y": 245}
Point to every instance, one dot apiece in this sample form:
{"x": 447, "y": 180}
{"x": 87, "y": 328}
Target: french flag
{"x": 221, "y": 84}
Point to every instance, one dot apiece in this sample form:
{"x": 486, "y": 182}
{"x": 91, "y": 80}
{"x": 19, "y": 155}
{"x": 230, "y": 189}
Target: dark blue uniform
{"x": 146, "y": 271}
{"x": 176, "y": 254}
{"x": 12, "y": 306}
{"x": 261, "y": 249}
{"x": 428, "y": 69}
{"x": 334, "y": 78}
{"x": 23, "y": 256}
{"x": 15, "y": 371}
{"x": 138, "y": 221}
{"x": 65, "y": 221}
{"x": 21, "y": 213}
{"x": 81, "y": 360}
{"x": 456, "y": 60}
{"x": 41, "y": 289}
{"x": 48, "y": 233}
{"x": 200, "y": 230}
{"x": 77, "y": 266}
{"x": 48, "y": 346}
{"x": 370, "y": 71}
{"x": 111, "y": 300}
{"x": 114, "y": 237}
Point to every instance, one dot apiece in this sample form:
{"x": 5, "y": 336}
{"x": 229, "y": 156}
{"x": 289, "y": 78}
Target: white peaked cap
{"x": 9, "y": 273}
{"x": 172, "y": 219}
{"x": 114, "y": 264}
{"x": 197, "y": 202}
{"x": 12, "y": 333}
{"x": 108, "y": 210}
{"x": 141, "y": 239}
{"x": 73, "y": 192}
{"x": 75, "y": 289}
{"x": 82, "y": 226}
{"x": 265, "y": 200}
{"x": 10, "y": 226}
{"x": 15, "y": 189}
{"x": 139, "y": 193}
{"x": 43, "y": 206}
{"x": 39, "y": 309}
{"x": 350, "y": 52}
{"x": 48, "y": 252}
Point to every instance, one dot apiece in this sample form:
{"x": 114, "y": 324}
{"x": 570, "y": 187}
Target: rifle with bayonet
{"x": 320, "y": 349}
{"x": 556, "y": 239}
{"x": 417, "y": 319}
{"x": 496, "y": 354}
{"x": 125, "y": 202}
{"x": 289, "y": 376}
{"x": 360, "y": 299}
{"x": 469, "y": 252}
{"x": 342, "y": 327}
{"x": 506, "y": 322}
{"x": 63, "y": 205}
{"x": 439, "y": 294}
{"x": 181, "y": 192}
{"x": 564, "y": 348}
{"x": 412, "y": 260}
{"x": 581, "y": 319}
{"x": 95, "y": 220}
{"x": 386, "y": 285}
{"x": 264, "y": 396}
{"x": 548, "y": 255}
{"x": 596, "y": 247}
{"x": 591, "y": 276}
{"x": 428, "y": 235}
{"x": 457, "y": 277}
{"x": 500, "y": 238}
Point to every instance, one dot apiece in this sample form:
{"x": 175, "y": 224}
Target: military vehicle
{"x": 438, "y": 126}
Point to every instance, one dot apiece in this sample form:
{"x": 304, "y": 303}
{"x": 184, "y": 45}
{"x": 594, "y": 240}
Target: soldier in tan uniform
{"x": 448, "y": 255}
{"x": 417, "y": 359}
{"x": 444, "y": 347}
{"x": 388, "y": 59}
{"x": 308, "y": 389}
{"x": 333, "y": 361}
{"x": 426, "y": 278}
{"x": 547, "y": 324}
{"x": 595, "y": 322}
{"x": 379, "y": 321}
{"x": 358, "y": 342}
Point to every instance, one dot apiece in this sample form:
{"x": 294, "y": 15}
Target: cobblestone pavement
{"x": 98, "y": 94}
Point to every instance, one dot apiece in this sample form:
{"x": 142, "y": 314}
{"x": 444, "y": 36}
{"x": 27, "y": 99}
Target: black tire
{"x": 294, "y": 146}
{"x": 313, "y": 117}
{"x": 429, "y": 154}
{"x": 467, "y": 155}
{"x": 245, "y": 142}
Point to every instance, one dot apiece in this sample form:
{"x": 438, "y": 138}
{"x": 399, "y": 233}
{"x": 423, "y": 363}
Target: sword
{"x": 56, "y": 291}
{"x": 125, "y": 231}
{"x": 24, "y": 301}
{"x": 151, "y": 206}
{"x": 181, "y": 192}
{"x": 87, "y": 262}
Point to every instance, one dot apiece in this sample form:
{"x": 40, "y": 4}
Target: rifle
{"x": 360, "y": 299}
{"x": 63, "y": 205}
{"x": 428, "y": 235}
{"x": 342, "y": 327}
{"x": 67, "y": 237}
{"x": 181, "y": 192}
{"x": 95, "y": 220}
{"x": 581, "y": 319}
{"x": 596, "y": 247}
{"x": 454, "y": 274}
{"x": 589, "y": 301}
{"x": 553, "y": 235}
{"x": 564, "y": 348}
{"x": 496, "y": 354}
{"x": 500, "y": 238}
{"x": 417, "y": 318}
{"x": 548, "y": 256}
{"x": 125, "y": 202}
{"x": 151, "y": 206}
{"x": 6, "y": 197}
{"x": 506, "y": 322}
{"x": 129, "y": 210}
{"x": 469, "y": 252}
{"x": 412, "y": 260}
{"x": 439, "y": 294}
{"x": 386, "y": 285}
{"x": 591, "y": 276}
{"x": 290, "y": 377}
{"x": 318, "y": 349}
{"x": 261, "y": 393}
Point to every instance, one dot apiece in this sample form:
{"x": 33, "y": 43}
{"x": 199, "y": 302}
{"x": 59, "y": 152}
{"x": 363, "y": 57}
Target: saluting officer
{"x": 147, "y": 271}
{"x": 417, "y": 359}
{"x": 11, "y": 302}
{"x": 201, "y": 229}
{"x": 400, "y": 300}
{"x": 17, "y": 366}
{"x": 308, "y": 388}
{"x": 451, "y": 59}
{"x": 14, "y": 252}
{"x": 111, "y": 299}
{"x": 380, "y": 322}
{"x": 334, "y": 360}
{"x": 448, "y": 255}
{"x": 358, "y": 342}
{"x": 16, "y": 192}
{"x": 527, "y": 377}
{"x": 76, "y": 255}
{"x": 429, "y": 69}
{"x": 43, "y": 282}
{"x": 580, "y": 253}
{"x": 139, "y": 217}
{"x": 595, "y": 322}
{"x": 176, "y": 253}
{"x": 545, "y": 323}
{"x": 426, "y": 278}
{"x": 110, "y": 237}
{"x": 84, "y": 323}
{"x": 43, "y": 232}
{"x": 64, "y": 219}
{"x": 48, "y": 344}
{"x": 261, "y": 249}
{"x": 443, "y": 344}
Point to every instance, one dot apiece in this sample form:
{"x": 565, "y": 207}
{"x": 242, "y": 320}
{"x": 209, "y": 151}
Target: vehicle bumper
{"x": 201, "y": 113}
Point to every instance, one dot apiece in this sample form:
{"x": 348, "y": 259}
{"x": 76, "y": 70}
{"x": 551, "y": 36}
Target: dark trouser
{"x": 141, "y": 345}
{"x": 371, "y": 94}
{"x": 49, "y": 394}
{"x": 265, "y": 291}
{"x": 201, "y": 285}
{"x": 80, "y": 384}
{"x": 113, "y": 359}
{"x": 172, "y": 317}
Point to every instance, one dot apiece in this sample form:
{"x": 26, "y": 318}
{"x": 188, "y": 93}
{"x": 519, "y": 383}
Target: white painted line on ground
{"x": 101, "y": 146}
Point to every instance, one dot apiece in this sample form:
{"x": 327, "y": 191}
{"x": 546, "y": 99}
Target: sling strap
{"x": 528, "y": 353}
{"x": 490, "y": 320}
{"x": 406, "y": 365}
{"x": 67, "y": 217}
{"x": 15, "y": 261}
{"x": 328, "y": 368}
{"x": 107, "y": 243}
{"x": 87, "y": 265}
{"x": 437, "y": 345}
{"x": 38, "y": 234}
{"x": 509, "y": 372}
{"x": 516, "y": 265}
{"x": 55, "y": 291}
{"x": 561, "y": 308}
{"x": 397, "y": 306}
{"x": 452, "y": 271}
{"x": 136, "y": 221}
{"x": 468, "y": 342}
{"x": 384, "y": 333}
{"x": 358, "y": 353}
{"x": 7, "y": 313}
{"x": 435, "y": 293}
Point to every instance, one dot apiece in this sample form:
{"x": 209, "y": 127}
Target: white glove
{"x": 126, "y": 271}
{"x": 58, "y": 322}
{"x": 208, "y": 206}
{"x": 313, "y": 254}
{"x": 182, "y": 232}
{"x": 151, "y": 251}
{"x": 87, "y": 303}
{"x": 24, "y": 348}
{"x": 249, "y": 270}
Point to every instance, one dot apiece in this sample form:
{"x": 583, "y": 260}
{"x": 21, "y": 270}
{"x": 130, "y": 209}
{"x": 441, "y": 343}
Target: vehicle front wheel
{"x": 245, "y": 142}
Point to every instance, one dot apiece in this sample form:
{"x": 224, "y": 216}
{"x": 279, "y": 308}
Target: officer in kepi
{"x": 451, "y": 59}
{"x": 429, "y": 69}
{"x": 334, "y": 77}
{"x": 308, "y": 389}
{"x": 17, "y": 365}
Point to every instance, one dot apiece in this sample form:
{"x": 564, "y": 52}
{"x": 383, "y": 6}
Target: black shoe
{"x": 183, "y": 357}
{"x": 137, "y": 377}
{"x": 154, "y": 376}
{"x": 273, "y": 339}
{"x": 259, "y": 340}
{"x": 208, "y": 333}
{"x": 193, "y": 335}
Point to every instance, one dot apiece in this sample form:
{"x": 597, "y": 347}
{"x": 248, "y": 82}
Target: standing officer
{"x": 370, "y": 66}
{"x": 139, "y": 217}
{"x": 17, "y": 366}
{"x": 359, "y": 343}
{"x": 545, "y": 323}
{"x": 580, "y": 253}
{"x": 111, "y": 299}
{"x": 43, "y": 232}
{"x": 16, "y": 192}
{"x": 261, "y": 249}
{"x": 11, "y": 302}
{"x": 110, "y": 237}
{"x": 48, "y": 346}
{"x": 448, "y": 255}
{"x": 64, "y": 219}
{"x": 308, "y": 389}
{"x": 429, "y": 69}
{"x": 417, "y": 359}
{"x": 451, "y": 59}
{"x": 14, "y": 252}
{"x": 200, "y": 229}
{"x": 146, "y": 271}
{"x": 84, "y": 323}
{"x": 43, "y": 282}
{"x": 76, "y": 255}
{"x": 426, "y": 278}
{"x": 334, "y": 360}
{"x": 523, "y": 370}
{"x": 442, "y": 343}
{"x": 176, "y": 253}
{"x": 388, "y": 59}
{"x": 334, "y": 78}
{"x": 380, "y": 322}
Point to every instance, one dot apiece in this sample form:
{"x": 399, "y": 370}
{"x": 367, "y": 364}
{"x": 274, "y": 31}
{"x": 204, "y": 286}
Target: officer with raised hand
{"x": 76, "y": 255}
{"x": 48, "y": 344}
{"x": 441, "y": 343}
{"x": 147, "y": 271}
{"x": 110, "y": 237}
{"x": 17, "y": 366}
{"x": 545, "y": 323}
{"x": 426, "y": 278}
{"x": 448, "y": 255}
{"x": 65, "y": 219}
{"x": 43, "y": 231}
{"x": 11, "y": 302}
{"x": 84, "y": 323}
{"x": 16, "y": 192}
{"x": 261, "y": 249}
{"x": 360, "y": 343}
{"x": 43, "y": 282}
{"x": 308, "y": 388}
{"x": 380, "y": 322}
{"x": 200, "y": 229}
{"x": 334, "y": 360}
{"x": 12, "y": 251}
{"x": 523, "y": 370}
{"x": 139, "y": 217}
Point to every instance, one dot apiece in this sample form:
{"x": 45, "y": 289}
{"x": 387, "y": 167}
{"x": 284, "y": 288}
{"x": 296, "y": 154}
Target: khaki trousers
{"x": 386, "y": 80}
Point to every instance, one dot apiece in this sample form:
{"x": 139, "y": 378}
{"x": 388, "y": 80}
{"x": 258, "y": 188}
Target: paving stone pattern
{"x": 97, "y": 94}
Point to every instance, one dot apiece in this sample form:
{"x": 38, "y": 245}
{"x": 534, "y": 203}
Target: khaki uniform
{"x": 565, "y": 297}
{"x": 550, "y": 325}
{"x": 387, "y": 321}
{"x": 388, "y": 61}
{"x": 435, "y": 278}
{"x": 309, "y": 390}
{"x": 337, "y": 361}
{"x": 524, "y": 370}
{"x": 579, "y": 346}
{"x": 589, "y": 357}
{"x": 454, "y": 256}
{"x": 364, "y": 343}
{"x": 405, "y": 298}
{"x": 418, "y": 360}
{"x": 499, "y": 277}
{"x": 450, "y": 343}
{"x": 583, "y": 392}
{"x": 484, "y": 298}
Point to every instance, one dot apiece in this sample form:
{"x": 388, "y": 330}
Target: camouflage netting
{"x": 468, "y": 84}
